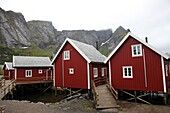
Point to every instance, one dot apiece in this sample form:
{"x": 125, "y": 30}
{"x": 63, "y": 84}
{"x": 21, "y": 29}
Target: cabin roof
{"x": 138, "y": 39}
{"x": 8, "y": 65}
{"x": 31, "y": 61}
{"x": 89, "y": 52}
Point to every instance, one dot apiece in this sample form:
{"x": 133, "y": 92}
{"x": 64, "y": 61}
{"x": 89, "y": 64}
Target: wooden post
{"x": 70, "y": 92}
{"x": 165, "y": 98}
{"x": 135, "y": 96}
{"x": 55, "y": 92}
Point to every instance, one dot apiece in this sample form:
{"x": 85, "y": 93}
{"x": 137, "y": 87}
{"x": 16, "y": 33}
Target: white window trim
{"x": 103, "y": 71}
{"x": 124, "y": 72}
{"x": 95, "y": 74}
{"x": 26, "y": 73}
{"x": 71, "y": 71}
{"x": 136, "y": 45}
{"x": 68, "y": 55}
{"x": 40, "y": 71}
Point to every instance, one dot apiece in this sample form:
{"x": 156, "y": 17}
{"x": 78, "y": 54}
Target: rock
{"x": 16, "y": 32}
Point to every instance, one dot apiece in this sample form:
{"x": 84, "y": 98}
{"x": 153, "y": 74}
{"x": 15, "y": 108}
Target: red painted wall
{"x": 35, "y": 75}
{"x": 8, "y": 74}
{"x": 99, "y": 67}
{"x": 76, "y": 80}
{"x": 123, "y": 57}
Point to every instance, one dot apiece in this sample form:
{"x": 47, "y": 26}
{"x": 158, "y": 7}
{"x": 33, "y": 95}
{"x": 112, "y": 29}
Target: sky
{"x": 145, "y": 18}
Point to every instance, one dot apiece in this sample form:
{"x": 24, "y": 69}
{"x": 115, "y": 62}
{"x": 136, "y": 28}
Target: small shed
{"x": 8, "y": 71}
{"x": 136, "y": 65}
{"x": 76, "y": 64}
{"x": 32, "y": 69}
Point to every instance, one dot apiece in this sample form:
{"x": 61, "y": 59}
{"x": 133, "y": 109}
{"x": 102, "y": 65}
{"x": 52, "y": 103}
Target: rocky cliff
{"x": 15, "y": 32}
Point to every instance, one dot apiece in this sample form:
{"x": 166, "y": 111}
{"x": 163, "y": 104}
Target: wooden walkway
{"x": 6, "y": 86}
{"x": 105, "y": 98}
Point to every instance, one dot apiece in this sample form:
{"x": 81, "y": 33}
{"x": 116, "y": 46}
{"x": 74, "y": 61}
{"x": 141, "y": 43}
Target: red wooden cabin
{"x": 76, "y": 64}
{"x": 8, "y": 71}
{"x": 29, "y": 69}
{"x": 136, "y": 65}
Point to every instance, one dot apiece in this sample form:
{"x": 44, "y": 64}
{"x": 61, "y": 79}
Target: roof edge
{"x": 70, "y": 41}
{"x": 140, "y": 40}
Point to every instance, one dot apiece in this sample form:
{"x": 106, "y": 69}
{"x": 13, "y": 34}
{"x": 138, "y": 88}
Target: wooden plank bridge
{"x": 6, "y": 86}
{"x": 104, "y": 96}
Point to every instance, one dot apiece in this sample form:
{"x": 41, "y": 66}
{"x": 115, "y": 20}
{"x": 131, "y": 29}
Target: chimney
{"x": 97, "y": 45}
{"x": 128, "y": 30}
{"x": 146, "y": 39}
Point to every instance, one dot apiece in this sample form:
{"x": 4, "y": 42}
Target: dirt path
{"x": 78, "y": 105}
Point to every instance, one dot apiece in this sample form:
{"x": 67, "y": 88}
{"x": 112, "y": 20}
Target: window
{"x": 67, "y": 55}
{"x": 71, "y": 71}
{"x": 39, "y": 71}
{"x": 95, "y": 72}
{"x": 166, "y": 67}
{"x": 136, "y": 50}
{"x": 104, "y": 71}
{"x": 28, "y": 73}
{"x": 127, "y": 72}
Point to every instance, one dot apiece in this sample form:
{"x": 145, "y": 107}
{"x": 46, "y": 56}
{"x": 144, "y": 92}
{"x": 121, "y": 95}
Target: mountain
{"x": 42, "y": 38}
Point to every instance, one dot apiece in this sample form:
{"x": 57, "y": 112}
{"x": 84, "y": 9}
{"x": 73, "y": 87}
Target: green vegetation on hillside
{"x": 7, "y": 53}
{"x": 1, "y": 70}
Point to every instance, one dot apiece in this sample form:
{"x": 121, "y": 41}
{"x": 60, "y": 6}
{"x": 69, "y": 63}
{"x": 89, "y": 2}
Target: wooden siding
{"x": 123, "y": 57}
{"x": 8, "y": 74}
{"x": 78, "y": 63}
{"x": 99, "y": 67}
{"x": 45, "y": 75}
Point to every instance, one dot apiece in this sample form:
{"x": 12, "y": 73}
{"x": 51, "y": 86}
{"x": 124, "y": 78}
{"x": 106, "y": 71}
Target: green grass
{"x": 7, "y": 53}
{"x": 1, "y": 70}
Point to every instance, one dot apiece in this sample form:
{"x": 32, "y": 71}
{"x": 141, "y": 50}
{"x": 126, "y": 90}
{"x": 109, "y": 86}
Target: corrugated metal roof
{"x": 31, "y": 61}
{"x": 9, "y": 65}
{"x": 89, "y": 52}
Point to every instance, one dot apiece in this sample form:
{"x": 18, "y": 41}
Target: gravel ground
{"x": 78, "y": 105}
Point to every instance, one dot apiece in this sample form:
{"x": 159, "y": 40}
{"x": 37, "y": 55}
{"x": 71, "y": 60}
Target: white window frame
{"x": 103, "y": 71}
{"x": 28, "y": 73}
{"x": 67, "y": 55}
{"x": 40, "y": 71}
{"x": 95, "y": 72}
{"x": 127, "y": 76}
{"x": 136, "y": 46}
{"x": 71, "y": 70}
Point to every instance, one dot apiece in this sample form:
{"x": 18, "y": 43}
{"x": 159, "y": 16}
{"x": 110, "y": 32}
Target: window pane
{"x": 138, "y": 50}
{"x": 134, "y": 50}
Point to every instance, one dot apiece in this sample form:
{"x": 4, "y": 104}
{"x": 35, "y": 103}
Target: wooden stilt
{"x": 70, "y": 92}
{"x": 165, "y": 98}
{"x": 135, "y": 96}
{"x": 55, "y": 92}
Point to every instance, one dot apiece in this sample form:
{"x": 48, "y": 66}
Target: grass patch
{"x": 7, "y": 53}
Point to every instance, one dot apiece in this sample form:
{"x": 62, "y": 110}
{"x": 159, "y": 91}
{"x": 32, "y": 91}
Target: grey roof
{"x": 30, "y": 61}
{"x": 90, "y": 51}
{"x": 9, "y": 65}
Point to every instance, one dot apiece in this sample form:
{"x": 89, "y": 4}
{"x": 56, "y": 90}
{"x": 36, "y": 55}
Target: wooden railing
{"x": 95, "y": 94}
{"x": 7, "y": 88}
{"x": 112, "y": 90}
{"x": 2, "y": 82}
{"x": 2, "y": 109}
{"x": 100, "y": 81}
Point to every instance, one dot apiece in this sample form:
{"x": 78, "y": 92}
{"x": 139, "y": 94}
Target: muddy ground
{"x": 79, "y": 105}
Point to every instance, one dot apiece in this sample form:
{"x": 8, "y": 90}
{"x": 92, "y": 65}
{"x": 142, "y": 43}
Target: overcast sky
{"x": 145, "y": 18}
